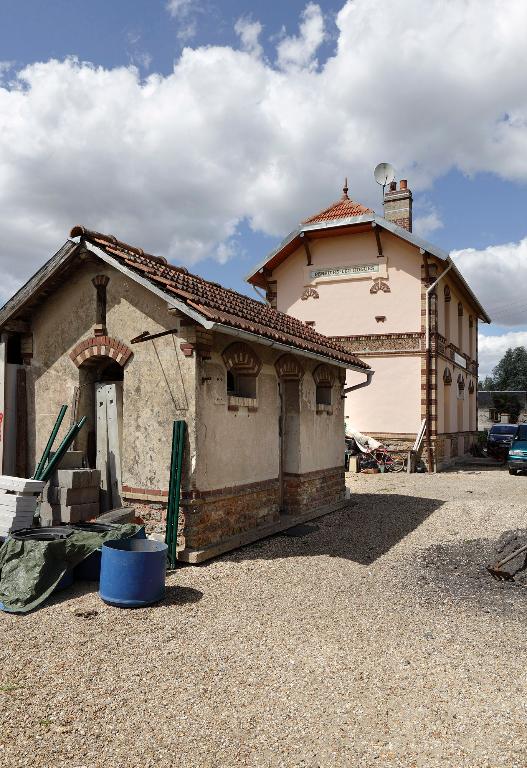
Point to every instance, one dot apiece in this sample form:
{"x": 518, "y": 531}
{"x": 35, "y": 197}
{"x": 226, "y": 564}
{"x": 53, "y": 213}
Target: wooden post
{"x": 113, "y": 410}
{"x": 21, "y": 423}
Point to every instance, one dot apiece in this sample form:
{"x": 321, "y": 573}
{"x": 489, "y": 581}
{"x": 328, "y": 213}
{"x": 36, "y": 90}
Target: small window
{"x": 324, "y": 378}
{"x": 324, "y": 392}
{"x": 243, "y": 367}
{"x": 460, "y": 387}
{"x": 240, "y": 385}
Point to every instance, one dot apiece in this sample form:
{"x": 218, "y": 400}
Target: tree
{"x": 510, "y": 373}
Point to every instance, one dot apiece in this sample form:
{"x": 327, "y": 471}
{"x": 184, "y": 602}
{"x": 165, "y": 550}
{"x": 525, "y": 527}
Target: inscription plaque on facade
{"x": 356, "y": 269}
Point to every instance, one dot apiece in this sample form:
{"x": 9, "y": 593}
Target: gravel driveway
{"x": 374, "y": 639}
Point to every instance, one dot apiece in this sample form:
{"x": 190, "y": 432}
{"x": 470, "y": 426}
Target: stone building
{"x": 104, "y": 327}
{"x": 400, "y": 303}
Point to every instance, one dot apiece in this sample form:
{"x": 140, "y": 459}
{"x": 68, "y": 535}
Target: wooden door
{"x": 109, "y": 408}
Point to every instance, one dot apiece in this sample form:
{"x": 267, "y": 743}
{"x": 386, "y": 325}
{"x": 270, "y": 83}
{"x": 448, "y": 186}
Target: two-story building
{"x": 401, "y": 304}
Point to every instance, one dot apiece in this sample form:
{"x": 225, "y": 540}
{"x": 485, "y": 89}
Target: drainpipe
{"x": 369, "y": 376}
{"x": 428, "y": 362}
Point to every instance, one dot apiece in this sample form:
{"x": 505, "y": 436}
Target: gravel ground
{"x": 376, "y": 638}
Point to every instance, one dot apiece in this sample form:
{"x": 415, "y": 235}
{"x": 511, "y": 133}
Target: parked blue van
{"x": 518, "y": 450}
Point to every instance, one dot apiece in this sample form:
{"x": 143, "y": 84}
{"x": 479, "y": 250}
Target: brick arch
{"x": 240, "y": 358}
{"x": 323, "y": 375}
{"x": 100, "y": 346}
{"x": 288, "y": 367}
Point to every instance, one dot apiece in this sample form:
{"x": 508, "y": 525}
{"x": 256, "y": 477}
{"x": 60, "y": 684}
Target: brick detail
{"x": 212, "y": 516}
{"x": 313, "y": 489}
{"x": 100, "y": 346}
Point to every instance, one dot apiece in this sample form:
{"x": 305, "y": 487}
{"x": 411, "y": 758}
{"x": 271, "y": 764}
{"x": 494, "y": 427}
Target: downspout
{"x": 428, "y": 353}
{"x": 369, "y": 376}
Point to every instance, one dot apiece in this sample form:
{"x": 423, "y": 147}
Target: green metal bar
{"x": 174, "y": 491}
{"x": 61, "y": 450}
{"x": 171, "y": 487}
{"x": 49, "y": 445}
{"x": 177, "y": 492}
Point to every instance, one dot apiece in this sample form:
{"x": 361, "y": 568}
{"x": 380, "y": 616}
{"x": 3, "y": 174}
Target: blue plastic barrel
{"x": 133, "y": 572}
{"x": 90, "y": 568}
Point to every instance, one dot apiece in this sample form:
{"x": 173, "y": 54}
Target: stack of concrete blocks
{"x": 18, "y": 503}
{"x": 72, "y": 494}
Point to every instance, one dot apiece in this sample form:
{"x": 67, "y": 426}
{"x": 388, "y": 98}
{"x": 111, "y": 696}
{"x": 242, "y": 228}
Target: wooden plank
{"x": 21, "y": 423}
{"x": 102, "y": 445}
{"x": 2, "y": 401}
{"x": 74, "y": 413}
{"x": 113, "y": 410}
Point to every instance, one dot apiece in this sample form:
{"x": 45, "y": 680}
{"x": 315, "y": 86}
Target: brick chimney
{"x": 398, "y": 204}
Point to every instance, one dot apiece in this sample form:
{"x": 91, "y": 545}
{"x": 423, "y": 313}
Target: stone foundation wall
{"x": 209, "y": 517}
{"x": 448, "y": 447}
{"x": 313, "y": 490}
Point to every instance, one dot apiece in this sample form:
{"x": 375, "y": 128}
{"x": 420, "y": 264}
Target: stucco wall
{"x": 242, "y": 446}
{"x": 346, "y": 306}
{"x": 158, "y": 384}
{"x": 392, "y": 402}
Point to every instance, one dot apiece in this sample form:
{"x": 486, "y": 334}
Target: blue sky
{"x": 240, "y": 142}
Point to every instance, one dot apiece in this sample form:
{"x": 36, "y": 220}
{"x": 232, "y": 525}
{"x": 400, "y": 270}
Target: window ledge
{"x": 249, "y": 402}
{"x": 321, "y": 408}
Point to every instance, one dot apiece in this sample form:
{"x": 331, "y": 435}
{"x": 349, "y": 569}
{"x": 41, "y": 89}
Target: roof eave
{"x": 257, "y": 339}
{"x": 27, "y": 291}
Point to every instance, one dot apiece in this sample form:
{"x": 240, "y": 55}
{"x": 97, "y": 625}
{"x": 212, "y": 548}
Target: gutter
{"x": 369, "y": 376}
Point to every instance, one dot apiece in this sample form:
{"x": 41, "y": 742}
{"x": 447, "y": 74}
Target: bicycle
{"x": 385, "y": 460}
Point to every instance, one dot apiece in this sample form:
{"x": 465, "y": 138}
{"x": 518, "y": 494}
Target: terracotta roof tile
{"x": 219, "y": 304}
{"x": 342, "y": 209}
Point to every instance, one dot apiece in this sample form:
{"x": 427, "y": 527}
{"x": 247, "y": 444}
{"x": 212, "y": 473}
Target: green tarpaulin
{"x": 30, "y": 570}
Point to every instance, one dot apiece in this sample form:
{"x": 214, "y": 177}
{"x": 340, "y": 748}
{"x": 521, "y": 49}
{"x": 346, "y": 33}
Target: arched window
{"x": 324, "y": 379}
{"x": 243, "y": 367}
{"x": 460, "y": 387}
{"x": 460, "y": 326}
{"x": 447, "y": 313}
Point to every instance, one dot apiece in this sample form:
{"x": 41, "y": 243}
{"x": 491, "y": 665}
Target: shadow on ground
{"x": 368, "y": 527}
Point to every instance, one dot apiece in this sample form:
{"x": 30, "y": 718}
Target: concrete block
{"x": 77, "y": 478}
{"x": 53, "y": 514}
{"x": 71, "y": 460}
{"x": 70, "y": 496}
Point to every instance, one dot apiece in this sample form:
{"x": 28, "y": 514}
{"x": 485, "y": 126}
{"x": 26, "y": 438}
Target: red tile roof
{"x": 342, "y": 209}
{"x": 218, "y": 304}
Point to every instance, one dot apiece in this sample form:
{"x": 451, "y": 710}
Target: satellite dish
{"x": 384, "y": 173}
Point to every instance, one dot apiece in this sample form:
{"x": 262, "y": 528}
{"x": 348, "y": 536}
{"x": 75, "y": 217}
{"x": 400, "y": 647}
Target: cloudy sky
{"x": 205, "y": 130}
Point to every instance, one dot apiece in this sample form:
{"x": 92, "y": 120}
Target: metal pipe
{"x": 177, "y": 493}
{"x": 369, "y": 376}
{"x": 170, "y": 505}
{"x": 61, "y": 450}
{"x": 49, "y": 445}
{"x": 260, "y": 296}
{"x": 427, "y": 308}
{"x": 427, "y": 362}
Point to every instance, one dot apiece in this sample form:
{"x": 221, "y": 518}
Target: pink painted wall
{"x": 392, "y": 402}
{"x": 347, "y": 306}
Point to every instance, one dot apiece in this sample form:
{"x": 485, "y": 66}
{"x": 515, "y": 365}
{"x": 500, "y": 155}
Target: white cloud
{"x": 174, "y": 163}
{"x": 498, "y": 276}
{"x": 249, "y": 32}
{"x": 184, "y": 12}
{"x": 427, "y": 223}
{"x": 178, "y": 8}
{"x": 299, "y": 51}
{"x": 492, "y": 348}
